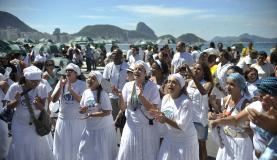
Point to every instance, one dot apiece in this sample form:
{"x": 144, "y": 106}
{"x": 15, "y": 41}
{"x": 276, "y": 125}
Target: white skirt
{"x": 139, "y": 143}
{"x": 4, "y": 139}
{"x": 179, "y": 150}
{"x": 98, "y": 144}
{"x": 67, "y": 138}
{"x": 242, "y": 149}
{"x": 27, "y": 144}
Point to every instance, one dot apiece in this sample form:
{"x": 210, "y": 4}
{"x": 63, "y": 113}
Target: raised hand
{"x": 83, "y": 110}
{"x": 158, "y": 115}
{"x": 116, "y": 91}
{"x": 62, "y": 82}
{"x": 38, "y": 103}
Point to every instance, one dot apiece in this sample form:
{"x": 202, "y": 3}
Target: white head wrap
{"x": 146, "y": 67}
{"x": 98, "y": 76}
{"x": 74, "y": 67}
{"x": 179, "y": 78}
{"x": 32, "y": 73}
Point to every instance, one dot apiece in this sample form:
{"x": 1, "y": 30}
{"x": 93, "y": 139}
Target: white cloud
{"x": 158, "y": 10}
{"x": 93, "y": 17}
{"x": 206, "y": 16}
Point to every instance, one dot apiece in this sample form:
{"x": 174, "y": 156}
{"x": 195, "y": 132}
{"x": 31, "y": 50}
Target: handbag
{"x": 43, "y": 123}
{"x": 6, "y": 113}
{"x": 120, "y": 121}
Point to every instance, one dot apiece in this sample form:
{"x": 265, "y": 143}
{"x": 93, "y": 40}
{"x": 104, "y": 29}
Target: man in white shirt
{"x": 116, "y": 73}
{"x": 135, "y": 56}
{"x": 195, "y": 53}
{"x": 181, "y": 57}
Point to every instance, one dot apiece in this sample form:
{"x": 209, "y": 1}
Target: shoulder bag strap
{"x": 27, "y": 102}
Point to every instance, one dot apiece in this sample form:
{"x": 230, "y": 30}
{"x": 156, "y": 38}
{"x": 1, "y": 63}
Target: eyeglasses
{"x": 69, "y": 70}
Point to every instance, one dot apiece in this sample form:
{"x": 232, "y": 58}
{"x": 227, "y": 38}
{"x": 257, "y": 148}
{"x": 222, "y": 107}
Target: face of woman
{"x": 139, "y": 72}
{"x": 155, "y": 68}
{"x": 173, "y": 87}
{"x": 32, "y": 83}
{"x": 232, "y": 87}
{"x": 198, "y": 71}
{"x": 252, "y": 76}
{"x": 92, "y": 82}
{"x": 49, "y": 65}
{"x": 261, "y": 59}
{"x": 71, "y": 75}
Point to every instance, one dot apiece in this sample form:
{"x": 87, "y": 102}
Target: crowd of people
{"x": 161, "y": 102}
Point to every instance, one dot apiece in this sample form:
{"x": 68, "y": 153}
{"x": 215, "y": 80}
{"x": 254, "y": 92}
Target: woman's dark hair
{"x": 202, "y": 56}
{"x": 226, "y": 55}
{"x": 99, "y": 90}
{"x": 22, "y": 80}
{"x": 262, "y": 53}
{"x": 248, "y": 70}
{"x": 273, "y": 58}
{"x": 236, "y": 69}
{"x": 206, "y": 71}
{"x": 163, "y": 67}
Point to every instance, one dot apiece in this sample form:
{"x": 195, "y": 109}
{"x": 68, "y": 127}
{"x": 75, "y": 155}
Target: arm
{"x": 160, "y": 117}
{"x": 148, "y": 106}
{"x": 231, "y": 120}
{"x": 57, "y": 91}
{"x": 202, "y": 89}
{"x": 12, "y": 104}
{"x": 172, "y": 69}
{"x": 101, "y": 113}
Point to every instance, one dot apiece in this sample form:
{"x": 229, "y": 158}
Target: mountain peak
{"x": 9, "y": 20}
{"x": 143, "y": 28}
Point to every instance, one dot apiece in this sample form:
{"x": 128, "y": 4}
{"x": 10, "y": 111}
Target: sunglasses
{"x": 70, "y": 70}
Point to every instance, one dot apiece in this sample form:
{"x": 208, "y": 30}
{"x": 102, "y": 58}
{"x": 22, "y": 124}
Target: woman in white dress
{"x": 69, "y": 126}
{"x": 198, "y": 90}
{"x": 180, "y": 141}
{"x": 140, "y": 137}
{"x": 4, "y": 136}
{"x": 262, "y": 136}
{"x": 251, "y": 76}
{"x": 98, "y": 140}
{"x": 240, "y": 143}
{"x": 26, "y": 143}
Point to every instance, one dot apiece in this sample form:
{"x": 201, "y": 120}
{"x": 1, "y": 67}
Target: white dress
{"x": 140, "y": 140}
{"x": 26, "y": 143}
{"x": 179, "y": 144}
{"x": 98, "y": 139}
{"x": 4, "y": 138}
{"x": 241, "y": 148}
{"x": 69, "y": 126}
{"x": 200, "y": 104}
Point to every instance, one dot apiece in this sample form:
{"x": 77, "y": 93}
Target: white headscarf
{"x": 32, "y": 73}
{"x": 98, "y": 76}
{"x": 179, "y": 78}
{"x": 146, "y": 67}
{"x": 74, "y": 67}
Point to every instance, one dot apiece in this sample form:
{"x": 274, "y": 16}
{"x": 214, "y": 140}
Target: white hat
{"x": 146, "y": 67}
{"x": 32, "y": 73}
{"x": 98, "y": 76}
{"x": 179, "y": 78}
{"x": 74, "y": 67}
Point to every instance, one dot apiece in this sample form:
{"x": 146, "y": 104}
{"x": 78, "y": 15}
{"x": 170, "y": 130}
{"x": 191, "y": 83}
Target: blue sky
{"x": 205, "y": 18}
